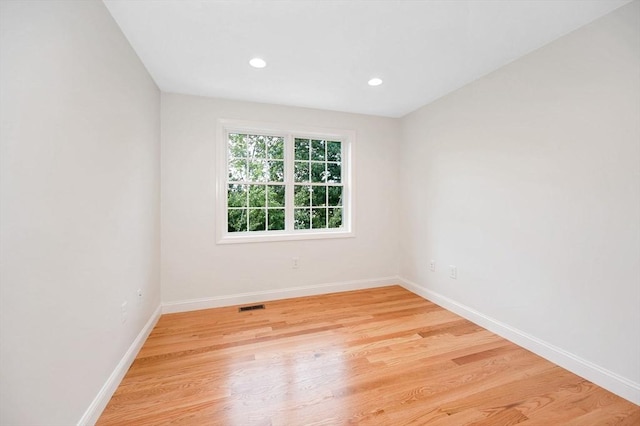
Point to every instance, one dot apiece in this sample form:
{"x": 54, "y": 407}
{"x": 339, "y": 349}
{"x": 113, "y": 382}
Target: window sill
{"x": 298, "y": 236}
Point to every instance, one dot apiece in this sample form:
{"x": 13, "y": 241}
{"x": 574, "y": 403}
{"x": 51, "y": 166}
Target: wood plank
{"x": 382, "y": 356}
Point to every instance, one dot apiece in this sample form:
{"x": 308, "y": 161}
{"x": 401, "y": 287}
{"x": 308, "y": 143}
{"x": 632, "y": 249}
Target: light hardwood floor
{"x": 380, "y": 357}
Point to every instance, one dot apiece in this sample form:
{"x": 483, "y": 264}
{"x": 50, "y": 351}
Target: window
{"x": 282, "y": 183}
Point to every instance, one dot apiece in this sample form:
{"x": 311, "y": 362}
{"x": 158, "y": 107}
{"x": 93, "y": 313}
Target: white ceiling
{"x": 321, "y": 54}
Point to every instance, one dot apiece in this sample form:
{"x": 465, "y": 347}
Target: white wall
{"x": 194, "y": 267}
{"x": 528, "y": 180}
{"x": 79, "y": 206}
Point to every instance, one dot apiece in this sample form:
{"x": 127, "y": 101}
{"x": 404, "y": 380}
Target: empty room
{"x": 292, "y": 213}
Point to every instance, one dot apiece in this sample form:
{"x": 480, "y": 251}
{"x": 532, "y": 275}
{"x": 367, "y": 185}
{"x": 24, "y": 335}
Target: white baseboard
{"x": 101, "y": 400}
{"x": 601, "y": 376}
{"x": 263, "y": 296}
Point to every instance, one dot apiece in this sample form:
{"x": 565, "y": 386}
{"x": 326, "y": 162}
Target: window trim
{"x": 347, "y": 137}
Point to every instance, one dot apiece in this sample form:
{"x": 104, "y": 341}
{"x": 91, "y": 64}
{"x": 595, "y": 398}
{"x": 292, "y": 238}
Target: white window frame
{"x": 289, "y": 132}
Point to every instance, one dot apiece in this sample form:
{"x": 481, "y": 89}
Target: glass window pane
{"x": 319, "y": 218}
{"x": 302, "y": 218}
{"x": 258, "y": 171}
{"x": 276, "y": 171}
{"x": 237, "y": 196}
{"x": 335, "y": 195}
{"x": 257, "y": 196}
{"x": 237, "y": 145}
{"x": 335, "y": 218}
{"x": 334, "y": 173}
{"x": 275, "y": 147}
{"x": 317, "y": 172}
{"x": 237, "y": 170}
{"x": 257, "y": 146}
{"x": 317, "y": 150}
{"x": 301, "y": 171}
{"x": 334, "y": 151}
{"x": 276, "y": 219}
{"x": 302, "y": 196}
{"x": 302, "y": 149}
{"x": 257, "y": 219}
{"x": 237, "y": 220}
{"x": 319, "y": 196}
{"x": 275, "y": 196}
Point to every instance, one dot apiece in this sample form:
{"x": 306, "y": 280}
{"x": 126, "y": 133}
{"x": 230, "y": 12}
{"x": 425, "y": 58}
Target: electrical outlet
{"x": 432, "y": 265}
{"x": 123, "y": 312}
{"x": 453, "y": 272}
{"x": 295, "y": 262}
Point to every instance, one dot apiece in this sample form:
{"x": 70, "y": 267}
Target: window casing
{"x": 277, "y": 182}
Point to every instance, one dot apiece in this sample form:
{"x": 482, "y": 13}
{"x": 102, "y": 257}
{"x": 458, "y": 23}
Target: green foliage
{"x": 319, "y": 196}
{"x": 276, "y": 219}
{"x": 335, "y": 195}
{"x": 258, "y": 170}
{"x": 257, "y": 146}
{"x": 319, "y": 218}
{"x": 275, "y": 195}
{"x": 237, "y": 196}
{"x": 276, "y": 171}
{"x": 275, "y": 148}
{"x": 334, "y": 151}
{"x": 257, "y": 219}
{"x": 237, "y": 220}
{"x": 302, "y": 218}
{"x": 317, "y": 172}
{"x": 257, "y": 196}
{"x": 301, "y": 149}
{"x": 334, "y": 173}
{"x": 257, "y": 160}
{"x": 237, "y": 145}
{"x": 237, "y": 170}
{"x": 335, "y": 218}
{"x": 301, "y": 171}
{"x": 318, "y": 150}
{"x": 301, "y": 196}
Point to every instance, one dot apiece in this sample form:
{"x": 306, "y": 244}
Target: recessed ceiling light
{"x": 375, "y": 82}
{"x": 257, "y": 63}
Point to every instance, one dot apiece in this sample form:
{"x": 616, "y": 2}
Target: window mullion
{"x": 288, "y": 178}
